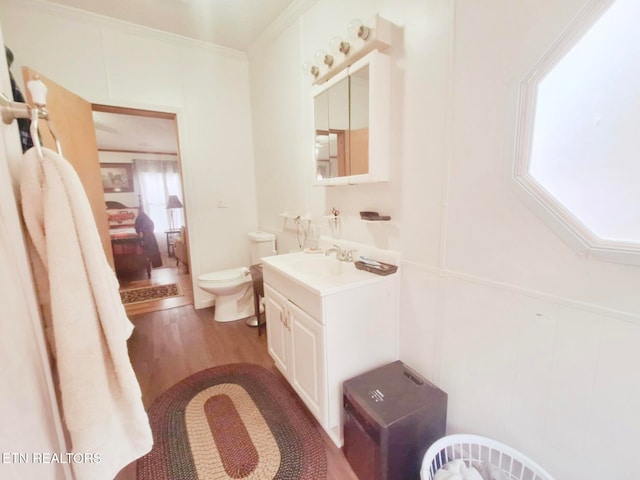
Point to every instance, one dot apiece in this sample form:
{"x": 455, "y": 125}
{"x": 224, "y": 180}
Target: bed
{"x": 135, "y": 249}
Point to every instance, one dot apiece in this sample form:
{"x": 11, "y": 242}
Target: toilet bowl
{"x": 233, "y": 291}
{"x": 233, "y": 288}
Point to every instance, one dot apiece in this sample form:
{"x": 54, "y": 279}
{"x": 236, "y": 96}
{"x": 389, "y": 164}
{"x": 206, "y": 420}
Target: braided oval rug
{"x": 236, "y": 421}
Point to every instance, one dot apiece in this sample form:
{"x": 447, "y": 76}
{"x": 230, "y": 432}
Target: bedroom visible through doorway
{"x": 140, "y": 164}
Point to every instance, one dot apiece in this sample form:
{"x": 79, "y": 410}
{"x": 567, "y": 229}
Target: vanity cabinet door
{"x": 307, "y": 361}
{"x": 277, "y": 331}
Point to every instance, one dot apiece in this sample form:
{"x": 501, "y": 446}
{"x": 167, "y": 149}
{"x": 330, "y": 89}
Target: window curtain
{"x": 156, "y": 180}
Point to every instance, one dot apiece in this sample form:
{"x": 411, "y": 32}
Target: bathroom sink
{"x": 322, "y": 265}
{"x": 318, "y": 271}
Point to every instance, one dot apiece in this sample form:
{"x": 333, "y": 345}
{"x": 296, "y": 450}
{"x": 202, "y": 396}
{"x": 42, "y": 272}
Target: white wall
{"x": 535, "y": 346}
{"x": 111, "y": 62}
{"x": 279, "y": 129}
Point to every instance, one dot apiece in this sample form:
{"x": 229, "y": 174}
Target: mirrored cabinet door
{"x": 352, "y": 124}
{"x": 359, "y": 122}
{"x": 321, "y": 122}
{"x": 339, "y": 127}
{"x": 331, "y": 120}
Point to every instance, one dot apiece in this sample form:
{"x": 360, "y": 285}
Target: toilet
{"x": 233, "y": 288}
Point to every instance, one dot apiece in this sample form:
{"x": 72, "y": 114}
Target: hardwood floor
{"x": 172, "y": 343}
{"x": 168, "y": 273}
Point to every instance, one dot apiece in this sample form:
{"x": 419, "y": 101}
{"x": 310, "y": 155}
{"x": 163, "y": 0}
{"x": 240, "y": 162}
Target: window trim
{"x": 561, "y": 221}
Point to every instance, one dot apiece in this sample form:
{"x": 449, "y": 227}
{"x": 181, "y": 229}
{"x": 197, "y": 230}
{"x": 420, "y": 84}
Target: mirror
{"x": 359, "y": 124}
{"x": 343, "y": 109}
{"x": 332, "y": 130}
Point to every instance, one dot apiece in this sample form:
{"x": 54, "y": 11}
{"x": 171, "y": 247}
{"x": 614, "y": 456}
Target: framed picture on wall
{"x": 117, "y": 177}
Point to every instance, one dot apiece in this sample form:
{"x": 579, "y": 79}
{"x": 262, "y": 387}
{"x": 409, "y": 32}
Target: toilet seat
{"x": 230, "y": 291}
{"x": 233, "y": 290}
{"x": 232, "y": 275}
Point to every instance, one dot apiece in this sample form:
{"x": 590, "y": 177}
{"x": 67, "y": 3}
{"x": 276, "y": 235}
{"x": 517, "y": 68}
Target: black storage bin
{"x": 392, "y": 415}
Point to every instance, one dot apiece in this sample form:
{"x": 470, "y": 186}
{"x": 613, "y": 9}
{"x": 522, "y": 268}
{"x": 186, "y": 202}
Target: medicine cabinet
{"x": 351, "y": 123}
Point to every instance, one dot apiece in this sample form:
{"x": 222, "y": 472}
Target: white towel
{"x": 489, "y": 471}
{"x": 457, "y": 470}
{"x": 101, "y": 398}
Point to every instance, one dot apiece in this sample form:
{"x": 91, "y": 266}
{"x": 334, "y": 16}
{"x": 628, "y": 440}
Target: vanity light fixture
{"x": 375, "y": 34}
{"x": 357, "y": 29}
{"x": 310, "y": 69}
{"x": 340, "y": 46}
{"x": 323, "y": 57}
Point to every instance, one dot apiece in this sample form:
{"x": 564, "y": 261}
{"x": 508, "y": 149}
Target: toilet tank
{"x": 262, "y": 244}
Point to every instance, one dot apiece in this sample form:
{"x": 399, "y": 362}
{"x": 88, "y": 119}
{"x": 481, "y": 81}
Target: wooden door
{"x": 73, "y": 123}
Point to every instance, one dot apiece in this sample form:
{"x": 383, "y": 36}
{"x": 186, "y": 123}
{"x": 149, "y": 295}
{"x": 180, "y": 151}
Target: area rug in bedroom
{"x": 236, "y": 421}
{"x": 148, "y": 294}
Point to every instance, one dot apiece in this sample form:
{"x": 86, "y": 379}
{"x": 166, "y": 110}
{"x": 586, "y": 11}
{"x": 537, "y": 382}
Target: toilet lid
{"x": 225, "y": 275}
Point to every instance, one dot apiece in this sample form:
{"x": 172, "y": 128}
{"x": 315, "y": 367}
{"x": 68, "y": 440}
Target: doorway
{"x": 145, "y": 144}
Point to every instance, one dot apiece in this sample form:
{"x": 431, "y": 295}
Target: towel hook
{"x": 38, "y": 92}
{"x": 11, "y": 110}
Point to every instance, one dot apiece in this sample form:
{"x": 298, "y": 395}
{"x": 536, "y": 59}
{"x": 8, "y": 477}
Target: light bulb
{"x": 339, "y": 46}
{"x": 357, "y": 29}
{"x": 323, "y": 57}
{"x": 310, "y": 69}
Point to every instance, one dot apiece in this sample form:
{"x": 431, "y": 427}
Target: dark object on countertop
{"x": 374, "y": 216}
{"x": 383, "y": 269}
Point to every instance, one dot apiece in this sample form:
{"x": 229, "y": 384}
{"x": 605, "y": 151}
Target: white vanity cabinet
{"x": 278, "y": 337}
{"x": 320, "y": 338}
{"x": 296, "y": 344}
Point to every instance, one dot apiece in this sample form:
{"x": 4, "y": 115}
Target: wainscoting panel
{"x": 418, "y": 313}
{"x": 557, "y": 380}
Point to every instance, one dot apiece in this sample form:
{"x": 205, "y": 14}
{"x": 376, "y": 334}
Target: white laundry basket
{"x": 474, "y": 450}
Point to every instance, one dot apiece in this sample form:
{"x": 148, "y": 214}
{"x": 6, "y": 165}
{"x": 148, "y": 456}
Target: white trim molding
{"x": 444, "y": 273}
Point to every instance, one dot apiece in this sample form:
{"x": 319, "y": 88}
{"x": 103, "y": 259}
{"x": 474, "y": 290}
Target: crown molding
{"x": 292, "y": 13}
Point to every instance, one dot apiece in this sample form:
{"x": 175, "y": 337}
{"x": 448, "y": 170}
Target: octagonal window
{"x": 578, "y": 150}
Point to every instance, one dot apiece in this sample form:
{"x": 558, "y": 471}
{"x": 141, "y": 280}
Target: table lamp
{"x": 173, "y": 202}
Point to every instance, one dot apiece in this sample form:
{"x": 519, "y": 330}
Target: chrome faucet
{"x": 342, "y": 255}
{"x": 337, "y": 250}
